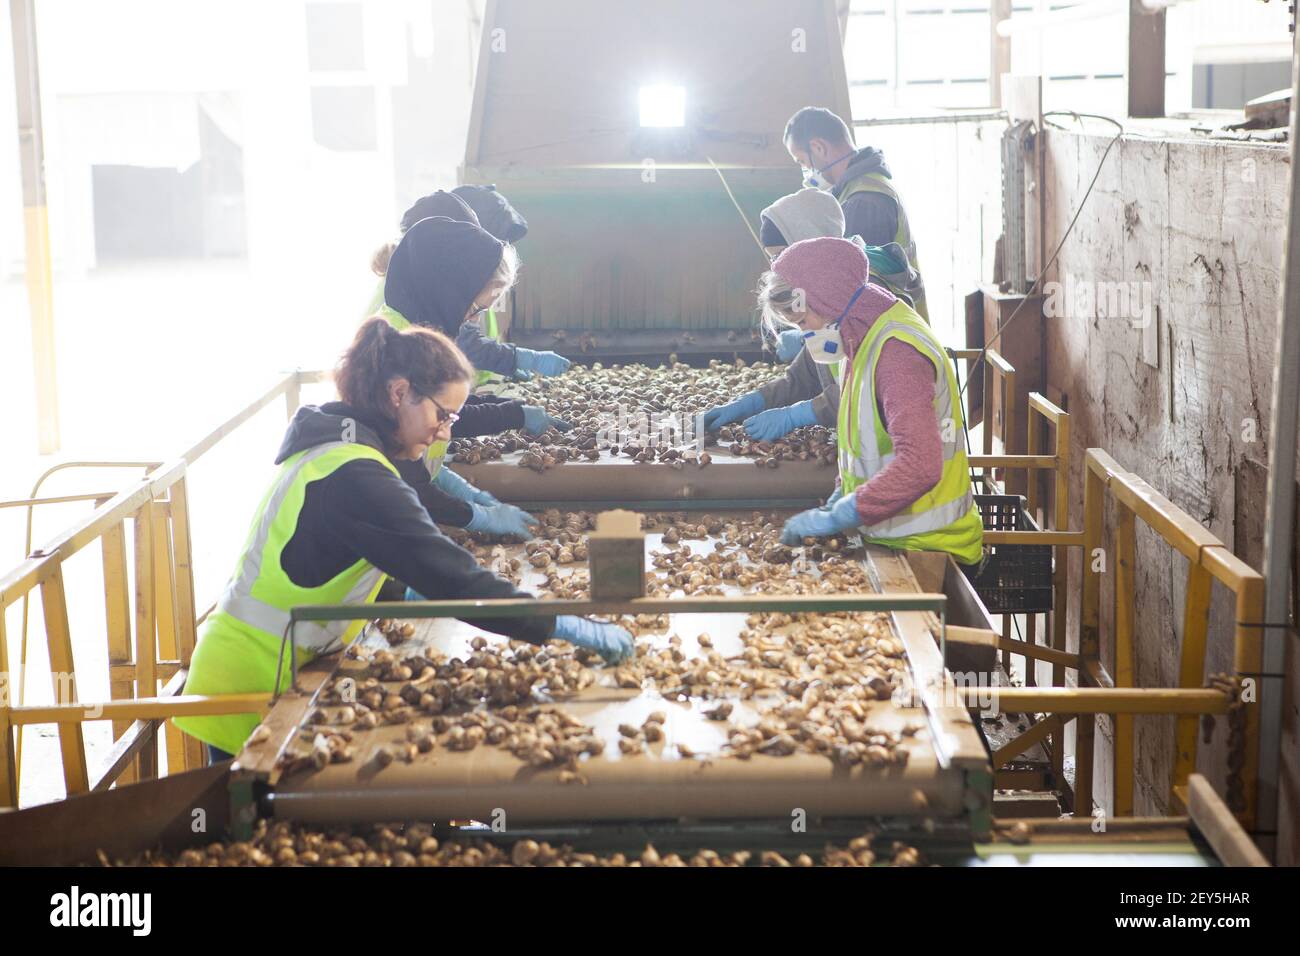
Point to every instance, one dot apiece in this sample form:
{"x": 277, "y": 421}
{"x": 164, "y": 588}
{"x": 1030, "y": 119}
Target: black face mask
{"x": 436, "y": 271}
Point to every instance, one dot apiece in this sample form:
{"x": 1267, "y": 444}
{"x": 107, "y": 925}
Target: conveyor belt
{"x": 658, "y": 784}
{"x": 730, "y": 479}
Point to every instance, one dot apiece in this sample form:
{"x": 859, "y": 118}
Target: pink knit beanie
{"x": 829, "y": 271}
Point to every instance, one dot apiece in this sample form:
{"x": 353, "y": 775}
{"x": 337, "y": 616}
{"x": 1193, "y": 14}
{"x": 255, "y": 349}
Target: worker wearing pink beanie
{"x": 904, "y": 479}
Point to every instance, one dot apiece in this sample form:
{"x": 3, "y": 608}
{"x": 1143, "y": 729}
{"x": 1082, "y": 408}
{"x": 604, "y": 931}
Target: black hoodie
{"x": 363, "y": 510}
{"x": 436, "y": 271}
{"x": 873, "y": 216}
{"x": 434, "y": 274}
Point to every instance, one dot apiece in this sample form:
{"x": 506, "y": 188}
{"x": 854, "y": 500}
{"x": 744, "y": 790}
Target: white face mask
{"x": 814, "y": 178}
{"x": 824, "y": 345}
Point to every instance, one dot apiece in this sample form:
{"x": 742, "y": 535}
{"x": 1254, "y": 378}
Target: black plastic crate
{"x": 1016, "y": 578}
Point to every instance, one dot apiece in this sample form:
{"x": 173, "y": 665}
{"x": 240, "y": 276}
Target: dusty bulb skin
{"x": 284, "y": 843}
{"x": 589, "y": 398}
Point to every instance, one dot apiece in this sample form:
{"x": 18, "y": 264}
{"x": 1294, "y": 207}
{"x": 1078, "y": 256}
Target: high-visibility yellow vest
{"x": 437, "y": 453}
{"x": 239, "y": 646}
{"x": 878, "y": 182}
{"x": 946, "y": 517}
{"x": 491, "y": 330}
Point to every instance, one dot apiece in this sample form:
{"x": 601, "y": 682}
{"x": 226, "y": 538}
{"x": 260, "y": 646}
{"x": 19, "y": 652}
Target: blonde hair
{"x": 777, "y": 302}
{"x": 507, "y": 271}
{"x": 380, "y": 257}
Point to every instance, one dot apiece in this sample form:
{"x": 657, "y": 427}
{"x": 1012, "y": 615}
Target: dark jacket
{"x": 488, "y": 415}
{"x": 363, "y": 510}
{"x": 804, "y": 379}
{"x": 436, "y": 271}
{"x": 486, "y": 353}
{"x": 873, "y": 216}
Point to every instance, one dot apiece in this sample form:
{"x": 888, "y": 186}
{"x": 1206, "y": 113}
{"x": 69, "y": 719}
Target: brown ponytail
{"x": 380, "y": 257}
{"x": 380, "y": 353}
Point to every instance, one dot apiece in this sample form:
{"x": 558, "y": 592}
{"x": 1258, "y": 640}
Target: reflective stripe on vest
{"x": 865, "y": 446}
{"x": 261, "y": 595}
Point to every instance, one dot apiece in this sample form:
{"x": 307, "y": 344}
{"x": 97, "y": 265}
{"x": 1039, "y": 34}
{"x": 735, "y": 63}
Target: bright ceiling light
{"x": 663, "y": 105}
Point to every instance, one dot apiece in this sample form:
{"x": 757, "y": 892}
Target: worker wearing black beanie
{"x": 438, "y": 269}
{"x": 441, "y": 203}
{"x": 495, "y": 214}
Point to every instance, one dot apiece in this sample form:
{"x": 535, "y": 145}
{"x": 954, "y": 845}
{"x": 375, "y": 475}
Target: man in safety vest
{"x": 821, "y": 143}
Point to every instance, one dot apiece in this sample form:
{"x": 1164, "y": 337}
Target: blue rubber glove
{"x": 821, "y": 522}
{"x": 775, "y": 422}
{"x": 501, "y": 519}
{"x": 456, "y": 486}
{"x": 788, "y": 344}
{"x": 608, "y": 640}
{"x": 742, "y": 407}
{"x": 523, "y": 375}
{"x": 836, "y": 495}
{"x": 547, "y": 363}
{"x": 537, "y": 421}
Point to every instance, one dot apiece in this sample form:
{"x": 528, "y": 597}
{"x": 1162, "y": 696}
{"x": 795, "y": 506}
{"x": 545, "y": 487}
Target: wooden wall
{"x": 1199, "y": 225}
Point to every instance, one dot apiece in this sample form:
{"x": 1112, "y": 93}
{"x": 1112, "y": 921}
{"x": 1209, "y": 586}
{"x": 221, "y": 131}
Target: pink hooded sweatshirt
{"x": 829, "y": 271}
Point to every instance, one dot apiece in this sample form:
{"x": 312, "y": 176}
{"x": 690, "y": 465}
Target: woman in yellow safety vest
{"x": 904, "y": 480}
{"x": 338, "y": 518}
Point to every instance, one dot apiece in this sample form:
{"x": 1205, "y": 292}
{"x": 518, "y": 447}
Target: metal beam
{"x": 528, "y": 607}
{"x": 999, "y": 50}
{"x": 40, "y": 279}
{"x": 1095, "y": 700}
{"x": 1146, "y": 61}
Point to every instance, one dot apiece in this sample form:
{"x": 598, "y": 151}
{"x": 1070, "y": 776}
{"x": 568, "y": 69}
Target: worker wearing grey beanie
{"x": 807, "y": 214}
{"x": 808, "y": 393}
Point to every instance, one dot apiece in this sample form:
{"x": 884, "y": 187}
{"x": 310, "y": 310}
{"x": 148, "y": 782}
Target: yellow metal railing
{"x": 1100, "y": 693}
{"x": 31, "y": 503}
{"x": 998, "y": 378}
{"x": 156, "y": 650}
{"x": 1210, "y": 560}
{"x": 1043, "y": 417}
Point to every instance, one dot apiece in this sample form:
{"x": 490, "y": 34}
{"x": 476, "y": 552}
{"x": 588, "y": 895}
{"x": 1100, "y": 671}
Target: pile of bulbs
{"x": 812, "y": 678}
{"x": 283, "y": 843}
{"x": 603, "y": 404}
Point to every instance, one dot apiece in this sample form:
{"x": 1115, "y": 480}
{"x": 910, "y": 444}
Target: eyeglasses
{"x": 451, "y": 418}
{"x": 478, "y": 310}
